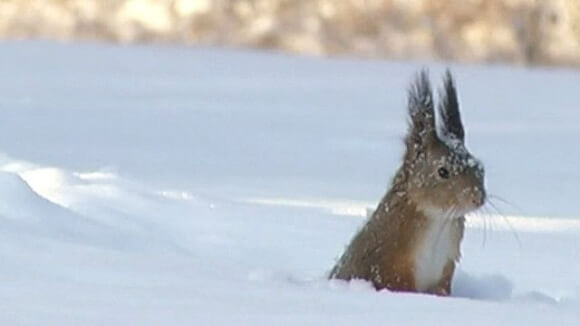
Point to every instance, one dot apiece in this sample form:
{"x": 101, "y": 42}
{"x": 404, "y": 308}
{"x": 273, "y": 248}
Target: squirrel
{"x": 411, "y": 242}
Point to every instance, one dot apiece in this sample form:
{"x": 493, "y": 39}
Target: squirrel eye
{"x": 443, "y": 173}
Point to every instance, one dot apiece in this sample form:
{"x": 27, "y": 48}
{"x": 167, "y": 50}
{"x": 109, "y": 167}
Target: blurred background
{"x": 545, "y": 32}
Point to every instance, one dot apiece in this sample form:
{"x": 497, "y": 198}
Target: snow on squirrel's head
{"x": 441, "y": 177}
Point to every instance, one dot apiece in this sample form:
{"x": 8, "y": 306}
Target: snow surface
{"x": 183, "y": 186}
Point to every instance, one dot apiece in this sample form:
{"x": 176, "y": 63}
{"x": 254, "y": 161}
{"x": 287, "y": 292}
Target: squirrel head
{"x": 440, "y": 176}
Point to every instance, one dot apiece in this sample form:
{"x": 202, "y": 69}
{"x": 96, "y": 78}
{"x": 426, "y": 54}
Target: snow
{"x": 180, "y": 186}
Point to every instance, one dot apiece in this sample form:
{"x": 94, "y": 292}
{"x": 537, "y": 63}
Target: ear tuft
{"x": 420, "y": 102}
{"x": 449, "y": 108}
{"x": 421, "y": 113}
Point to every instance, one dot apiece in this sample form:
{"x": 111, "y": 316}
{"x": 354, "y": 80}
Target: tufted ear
{"x": 422, "y": 115}
{"x": 449, "y": 109}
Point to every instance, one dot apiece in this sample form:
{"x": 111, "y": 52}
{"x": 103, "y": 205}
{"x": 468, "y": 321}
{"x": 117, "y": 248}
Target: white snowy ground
{"x": 183, "y": 186}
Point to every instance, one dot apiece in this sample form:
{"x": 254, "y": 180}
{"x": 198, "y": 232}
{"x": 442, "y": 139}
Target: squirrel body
{"x": 412, "y": 240}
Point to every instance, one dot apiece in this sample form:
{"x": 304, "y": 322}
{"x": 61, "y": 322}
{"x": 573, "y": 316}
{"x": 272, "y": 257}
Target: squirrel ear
{"x": 421, "y": 113}
{"x": 449, "y": 109}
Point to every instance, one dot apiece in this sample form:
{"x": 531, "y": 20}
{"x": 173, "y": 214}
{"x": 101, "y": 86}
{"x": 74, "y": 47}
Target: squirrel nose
{"x": 478, "y": 197}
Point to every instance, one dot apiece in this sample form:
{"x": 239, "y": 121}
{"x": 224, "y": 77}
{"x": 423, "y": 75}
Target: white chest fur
{"x": 439, "y": 244}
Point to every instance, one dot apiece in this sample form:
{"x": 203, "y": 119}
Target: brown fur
{"x": 383, "y": 250}
{"x": 386, "y": 250}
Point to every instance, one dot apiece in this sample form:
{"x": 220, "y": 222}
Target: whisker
{"x": 507, "y": 202}
{"x": 506, "y": 219}
{"x": 491, "y": 221}
{"x": 484, "y": 239}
